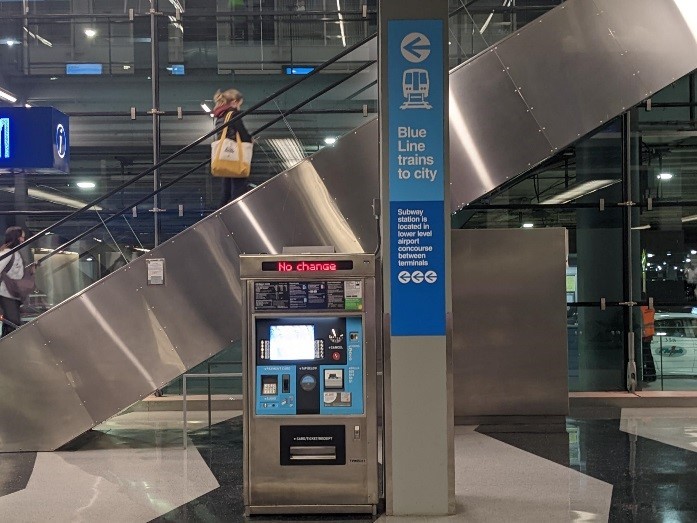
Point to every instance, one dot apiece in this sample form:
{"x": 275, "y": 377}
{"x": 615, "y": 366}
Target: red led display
{"x": 307, "y": 266}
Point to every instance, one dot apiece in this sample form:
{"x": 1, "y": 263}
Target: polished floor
{"x": 638, "y": 466}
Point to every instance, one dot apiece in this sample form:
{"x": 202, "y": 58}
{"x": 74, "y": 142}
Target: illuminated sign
{"x": 34, "y": 139}
{"x": 61, "y": 141}
{"x": 4, "y": 137}
{"x": 307, "y": 266}
{"x": 83, "y": 68}
{"x": 298, "y": 69}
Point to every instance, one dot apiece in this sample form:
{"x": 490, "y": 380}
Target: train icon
{"x": 415, "y": 85}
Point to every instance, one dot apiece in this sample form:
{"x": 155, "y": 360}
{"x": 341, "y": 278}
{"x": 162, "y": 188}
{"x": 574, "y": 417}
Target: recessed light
{"x": 90, "y": 33}
{"x": 664, "y": 176}
{"x": 330, "y": 140}
{"x": 86, "y": 185}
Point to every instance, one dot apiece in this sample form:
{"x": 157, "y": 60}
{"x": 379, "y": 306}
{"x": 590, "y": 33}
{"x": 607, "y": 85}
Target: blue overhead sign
{"x": 34, "y": 139}
{"x": 416, "y": 173}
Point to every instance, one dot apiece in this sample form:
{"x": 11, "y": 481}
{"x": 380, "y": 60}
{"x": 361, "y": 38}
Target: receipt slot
{"x": 310, "y": 434}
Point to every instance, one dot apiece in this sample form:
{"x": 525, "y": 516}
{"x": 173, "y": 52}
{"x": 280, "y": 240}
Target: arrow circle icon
{"x": 417, "y": 276}
{"x": 404, "y": 277}
{"x": 430, "y": 276}
{"x": 415, "y": 47}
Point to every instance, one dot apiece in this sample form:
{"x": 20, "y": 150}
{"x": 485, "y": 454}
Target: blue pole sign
{"x": 34, "y": 139}
{"x": 416, "y": 177}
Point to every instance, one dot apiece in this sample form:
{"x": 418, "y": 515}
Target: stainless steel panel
{"x": 493, "y": 136}
{"x": 579, "y": 81}
{"x": 509, "y": 322}
{"x": 657, "y": 39}
{"x": 295, "y": 208}
{"x": 110, "y": 344}
{"x": 39, "y": 409}
{"x": 199, "y": 307}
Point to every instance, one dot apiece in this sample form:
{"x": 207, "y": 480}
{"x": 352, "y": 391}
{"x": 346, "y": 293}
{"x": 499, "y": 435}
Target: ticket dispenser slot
{"x": 310, "y": 440}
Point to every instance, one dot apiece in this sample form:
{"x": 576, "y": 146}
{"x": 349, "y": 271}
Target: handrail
{"x": 184, "y": 149}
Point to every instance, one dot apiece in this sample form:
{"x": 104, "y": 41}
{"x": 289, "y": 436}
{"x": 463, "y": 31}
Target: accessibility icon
{"x": 404, "y": 277}
{"x": 430, "y": 276}
{"x": 417, "y": 276}
{"x": 415, "y": 47}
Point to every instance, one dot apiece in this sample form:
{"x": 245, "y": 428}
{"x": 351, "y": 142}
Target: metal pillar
{"x": 155, "y": 112}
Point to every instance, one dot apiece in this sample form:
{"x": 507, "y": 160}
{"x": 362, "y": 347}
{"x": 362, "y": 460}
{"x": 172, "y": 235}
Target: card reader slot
{"x": 314, "y": 453}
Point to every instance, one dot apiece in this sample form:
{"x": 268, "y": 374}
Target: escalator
{"x": 511, "y": 107}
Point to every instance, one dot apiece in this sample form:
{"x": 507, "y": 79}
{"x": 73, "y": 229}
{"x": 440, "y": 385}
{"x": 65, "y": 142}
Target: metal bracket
{"x": 133, "y": 113}
{"x": 602, "y": 304}
{"x": 628, "y": 303}
{"x": 180, "y": 114}
{"x": 365, "y": 110}
{"x": 631, "y": 364}
{"x": 649, "y": 204}
{"x": 365, "y": 10}
{"x": 134, "y": 212}
{"x": 131, "y": 15}
{"x": 181, "y": 209}
{"x": 155, "y": 111}
{"x": 602, "y": 204}
{"x": 156, "y": 210}
{"x": 648, "y": 104}
{"x": 650, "y": 303}
{"x": 627, "y": 204}
{"x": 154, "y": 12}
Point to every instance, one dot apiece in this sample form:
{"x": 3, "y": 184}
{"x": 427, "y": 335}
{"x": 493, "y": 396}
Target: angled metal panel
{"x": 199, "y": 306}
{"x": 657, "y": 38}
{"x": 299, "y": 208}
{"x": 577, "y": 84}
{"x": 39, "y": 409}
{"x": 492, "y": 133}
{"x": 110, "y": 344}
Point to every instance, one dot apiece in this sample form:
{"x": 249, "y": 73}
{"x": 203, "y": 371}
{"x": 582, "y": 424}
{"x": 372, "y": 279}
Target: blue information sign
{"x": 416, "y": 175}
{"x": 34, "y": 139}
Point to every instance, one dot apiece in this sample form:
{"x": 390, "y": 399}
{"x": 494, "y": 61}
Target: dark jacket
{"x": 234, "y": 127}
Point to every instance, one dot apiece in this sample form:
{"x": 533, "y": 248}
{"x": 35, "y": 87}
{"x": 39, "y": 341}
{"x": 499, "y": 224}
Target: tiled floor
{"x": 641, "y": 467}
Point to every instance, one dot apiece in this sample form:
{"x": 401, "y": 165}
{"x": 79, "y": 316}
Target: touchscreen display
{"x": 292, "y": 342}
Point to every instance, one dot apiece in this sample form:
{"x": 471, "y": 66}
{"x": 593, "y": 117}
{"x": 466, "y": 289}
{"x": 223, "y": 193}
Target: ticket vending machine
{"x": 310, "y": 434}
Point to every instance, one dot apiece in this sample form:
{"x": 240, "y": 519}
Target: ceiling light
{"x": 7, "y": 95}
{"x": 649, "y": 255}
{"x": 90, "y": 33}
{"x": 205, "y": 107}
{"x": 53, "y": 198}
{"x": 528, "y": 225}
{"x": 28, "y": 106}
{"x": 10, "y": 42}
{"x": 89, "y": 259}
{"x": 641, "y": 227}
{"x": 330, "y": 140}
{"x": 126, "y": 67}
{"x": 577, "y": 191}
{"x": 86, "y": 185}
{"x": 53, "y": 78}
{"x": 664, "y": 176}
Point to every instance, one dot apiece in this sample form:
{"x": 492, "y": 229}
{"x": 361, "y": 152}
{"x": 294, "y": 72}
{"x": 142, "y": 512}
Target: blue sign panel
{"x": 83, "y": 68}
{"x": 34, "y": 139}
{"x": 416, "y": 174}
